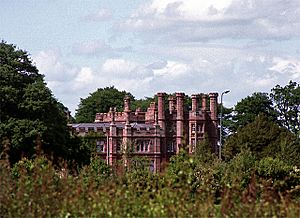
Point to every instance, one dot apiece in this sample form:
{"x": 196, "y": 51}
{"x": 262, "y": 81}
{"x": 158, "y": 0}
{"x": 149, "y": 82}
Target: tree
{"x": 262, "y": 137}
{"x": 287, "y": 104}
{"x": 99, "y": 102}
{"x": 248, "y": 108}
{"x": 29, "y": 112}
{"x": 143, "y": 104}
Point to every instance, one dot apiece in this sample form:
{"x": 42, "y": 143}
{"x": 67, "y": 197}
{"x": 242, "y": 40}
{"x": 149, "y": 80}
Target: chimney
{"x": 213, "y": 98}
{"x": 172, "y": 104}
{"x": 161, "y": 109}
{"x": 126, "y": 103}
{"x": 195, "y": 102}
{"x": 204, "y": 102}
{"x": 179, "y": 120}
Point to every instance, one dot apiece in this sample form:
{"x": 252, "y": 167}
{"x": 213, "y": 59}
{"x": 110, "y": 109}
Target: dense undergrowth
{"x": 198, "y": 186}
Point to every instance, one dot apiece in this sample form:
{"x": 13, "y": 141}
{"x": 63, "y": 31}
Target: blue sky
{"x": 146, "y": 46}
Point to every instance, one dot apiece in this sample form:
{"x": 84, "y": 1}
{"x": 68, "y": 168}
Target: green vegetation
{"x": 190, "y": 187}
{"x": 29, "y": 113}
{"x": 100, "y": 101}
{"x": 281, "y": 105}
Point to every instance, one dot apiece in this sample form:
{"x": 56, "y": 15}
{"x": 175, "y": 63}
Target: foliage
{"x": 262, "y": 137}
{"x": 29, "y": 112}
{"x": 249, "y": 108}
{"x": 96, "y": 172}
{"x": 37, "y": 189}
{"x": 143, "y": 104}
{"x": 100, "y": 101}
{"x": 239, "y": 170}
{"x": 288, "y": 151}
{"x": 287, "y": 104}
{"x": 181, "y": 169}
{"x": 79, "y": 151}
{"x": 204, "y": 152}
{"x": 227, "y": 121}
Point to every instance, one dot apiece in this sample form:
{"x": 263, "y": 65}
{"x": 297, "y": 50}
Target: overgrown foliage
{"x": 190, "y": 187}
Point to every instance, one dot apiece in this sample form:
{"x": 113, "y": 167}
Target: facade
{"x": 157, "y": 133}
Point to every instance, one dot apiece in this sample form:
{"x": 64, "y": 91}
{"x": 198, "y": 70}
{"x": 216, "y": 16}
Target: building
{"x": 157, "y": 133}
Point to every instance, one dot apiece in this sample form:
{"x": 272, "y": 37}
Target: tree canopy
{"x": 99, "y": 102}
{"x": 248, "y": 109}
{"x": 263, "y": 138}
{"x": 286, "y": 102}
{"x": 29, "y": 113}
{"x": 281, "y": 105}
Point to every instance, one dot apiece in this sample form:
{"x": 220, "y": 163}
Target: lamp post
{"x": 221, "y": 114}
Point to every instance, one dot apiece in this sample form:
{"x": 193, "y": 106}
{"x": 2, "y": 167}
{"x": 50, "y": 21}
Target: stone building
{"x": 157, "y": 133}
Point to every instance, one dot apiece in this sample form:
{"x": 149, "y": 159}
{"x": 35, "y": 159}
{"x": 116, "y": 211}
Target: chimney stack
{"x": 204, "y": 102}
{"x": 172, "y": 104}
{"x": 195, "y": 102}
{"x": 213, "y": 98}
{"x": 179, "y": 120}
{"x": 161, "y": 109}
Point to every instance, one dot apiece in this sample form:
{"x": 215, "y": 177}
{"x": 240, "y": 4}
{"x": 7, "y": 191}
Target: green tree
{"x": 227, "y": 121}
{"x": 100, "y": 101}
{"x": 262, "y": 137}
{"x": 248, "y": 108}
{"x": 287, "y": 104}
{"x": 143, "y": 104}
{"x": 29, "y": 112}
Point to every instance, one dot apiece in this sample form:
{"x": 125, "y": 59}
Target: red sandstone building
{"x": 157, "y": 133}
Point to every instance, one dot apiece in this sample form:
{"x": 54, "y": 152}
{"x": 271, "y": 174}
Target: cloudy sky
{"x": 146, "y": 46}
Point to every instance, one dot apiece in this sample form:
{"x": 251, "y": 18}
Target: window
{"x": 100, "y": 146}
{"x": 171, "y": 147}
{"x": 200, "y": 127}
{"x": 193, "y": 128}
{"x": 152, "y": 166}
{"x": 118, "y": 148}
{"x": 143, "y": 145}
{"x": 193, "y": 142}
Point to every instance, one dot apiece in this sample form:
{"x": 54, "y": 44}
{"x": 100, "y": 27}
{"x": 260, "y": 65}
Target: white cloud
{"x": 118, "y": 66}
{"x": 242, "y": 73}
{"x": 172, "y": 70}
{"x": 84, "y": 78}
{"x": 288, "y": 67}
{"x": 190, "y": 21}
{"x": 50, "y": 64}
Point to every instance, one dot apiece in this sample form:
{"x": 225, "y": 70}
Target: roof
{"x": 107, "y": 125}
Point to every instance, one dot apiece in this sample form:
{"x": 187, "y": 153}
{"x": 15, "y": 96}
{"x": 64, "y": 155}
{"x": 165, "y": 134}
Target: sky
{"x": 148, "y": 46}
